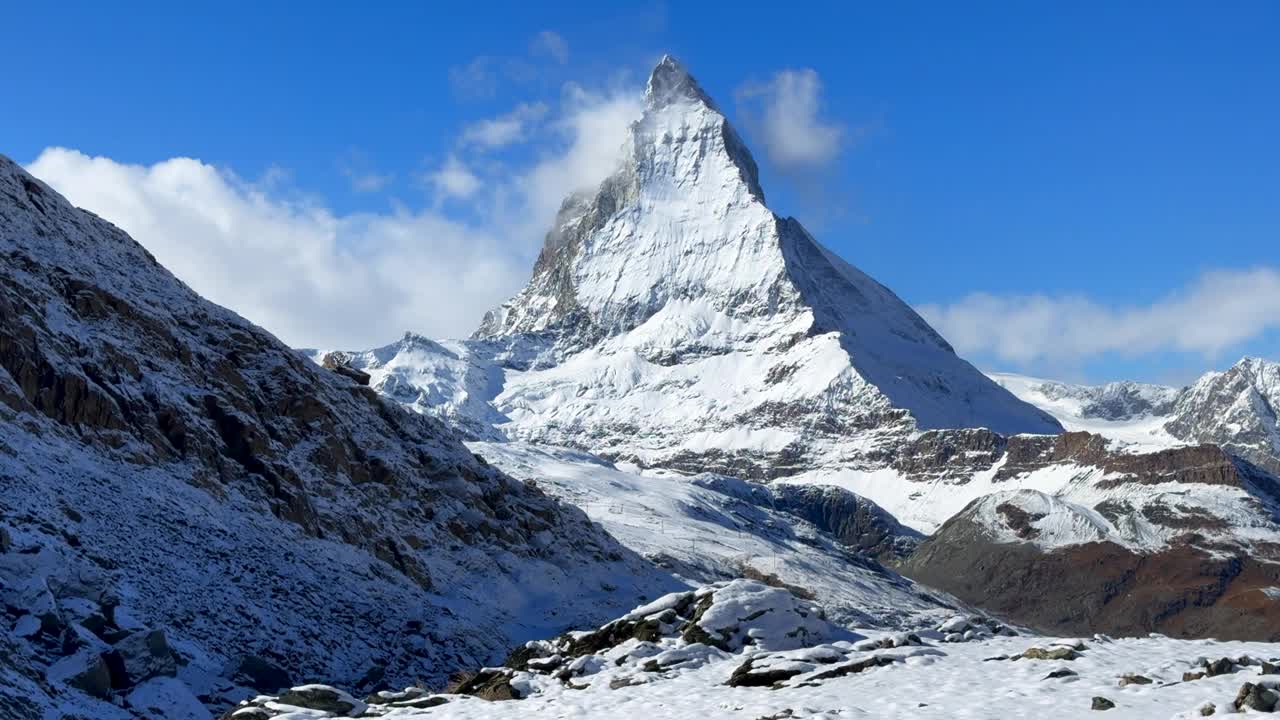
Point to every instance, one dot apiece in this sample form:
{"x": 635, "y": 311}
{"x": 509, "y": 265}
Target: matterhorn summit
{"x": 674, "y": 320}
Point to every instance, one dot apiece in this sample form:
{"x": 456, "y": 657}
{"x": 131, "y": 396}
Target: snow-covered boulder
{"x": 746, "y": 612}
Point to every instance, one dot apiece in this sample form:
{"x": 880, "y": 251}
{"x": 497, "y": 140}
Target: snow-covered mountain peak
{"x": 673, "y": 319}
{"x": 682, "y": 218}
{"x": 1238, "y": 408}
{"x": 670, "y": 82}
{"x": 1264, "y": 373}
{"x": 683, "y": 131}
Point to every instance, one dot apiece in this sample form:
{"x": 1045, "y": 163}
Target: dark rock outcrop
{"x": 853, "y": 520}
{"x": 1182, "y": 590}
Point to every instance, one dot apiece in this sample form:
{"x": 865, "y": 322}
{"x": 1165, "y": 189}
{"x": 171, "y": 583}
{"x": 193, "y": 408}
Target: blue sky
{"x": 1122, "y": 158}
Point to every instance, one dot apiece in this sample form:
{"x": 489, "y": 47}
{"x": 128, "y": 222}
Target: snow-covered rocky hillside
{"x": 191, "y": 512}
{"x": 749, "y": 651}
{"x": 674, "y": 325}
{"x": 704, "y": 528}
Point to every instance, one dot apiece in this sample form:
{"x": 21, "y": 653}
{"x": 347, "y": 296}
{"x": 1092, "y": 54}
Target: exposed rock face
{"x": 1236, "y": 409}
{"x": 167, "y": 464}
{"x": 340, "y": 363}
{"x": 853, "y": 520}
{"x": 1061, "y": 568}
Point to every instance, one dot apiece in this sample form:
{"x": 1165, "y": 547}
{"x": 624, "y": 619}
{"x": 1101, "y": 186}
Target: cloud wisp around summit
{"x": 319, "y": 278}
{"x": 786, "y": 114}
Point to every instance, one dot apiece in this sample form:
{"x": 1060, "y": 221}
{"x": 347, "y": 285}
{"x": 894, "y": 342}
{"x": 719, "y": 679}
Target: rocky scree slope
{"x": 191, "y": 512}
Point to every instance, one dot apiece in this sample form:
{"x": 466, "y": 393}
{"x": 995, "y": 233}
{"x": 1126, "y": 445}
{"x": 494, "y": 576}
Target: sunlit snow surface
{"x": 1139, "y": 432}
{"x": 944, "y": 680}
{"x": 703, "y": 534}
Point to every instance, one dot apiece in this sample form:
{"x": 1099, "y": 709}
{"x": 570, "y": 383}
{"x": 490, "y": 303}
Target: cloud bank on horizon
{"x": 1219, "y": 310}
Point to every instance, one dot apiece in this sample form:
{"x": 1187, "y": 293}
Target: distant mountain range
{"x": 1236, "y": 409}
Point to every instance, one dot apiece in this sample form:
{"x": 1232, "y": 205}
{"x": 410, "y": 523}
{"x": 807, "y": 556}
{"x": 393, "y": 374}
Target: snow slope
{"x": 706, "y": 527}
{"x": 953, "y": 681}
{"x": 1133, "y": 413}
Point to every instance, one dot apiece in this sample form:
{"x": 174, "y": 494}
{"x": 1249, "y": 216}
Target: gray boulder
{"x": 85, "y": 671}
{"x": 323, "y": 698}
{"x": 140, "y": 657}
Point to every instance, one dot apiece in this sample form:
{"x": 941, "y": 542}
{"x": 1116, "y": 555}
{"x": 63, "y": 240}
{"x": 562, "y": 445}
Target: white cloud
{"x": 318, "y": 278}
{"x": 785, "y": 113}
{"x": 453, "y": 179}
{"x": 592, "y": 128}
{"x": 369, "y": 182}
{"x": 551, "y": 44}
{"x": 476, "y": 79}
{"x": 505, "y": 129}
{"x": 1220, "y": 309}
{"x": 292, "y": 266}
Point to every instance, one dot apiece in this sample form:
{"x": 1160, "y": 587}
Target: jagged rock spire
{"x": 675, "y": 96}
{"x": 670, "y": 81}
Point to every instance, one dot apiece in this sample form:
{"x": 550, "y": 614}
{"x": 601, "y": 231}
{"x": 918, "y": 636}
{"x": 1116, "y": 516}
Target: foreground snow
{"x": 746, "y": 650}
{"x": 951, "y": 681}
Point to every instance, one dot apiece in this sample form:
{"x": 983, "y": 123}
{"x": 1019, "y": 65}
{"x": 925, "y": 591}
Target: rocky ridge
{"x": 1235, "y": 409}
